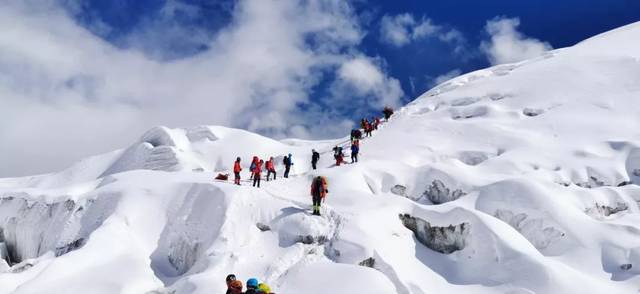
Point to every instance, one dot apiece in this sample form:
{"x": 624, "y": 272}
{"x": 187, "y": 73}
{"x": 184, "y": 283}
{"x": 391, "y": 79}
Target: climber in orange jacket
{"x": 318, "y": 193}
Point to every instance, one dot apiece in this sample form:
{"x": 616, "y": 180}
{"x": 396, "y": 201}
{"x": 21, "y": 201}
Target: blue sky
{"x": 85, "y": 77}
{"x": 560, "y": 23}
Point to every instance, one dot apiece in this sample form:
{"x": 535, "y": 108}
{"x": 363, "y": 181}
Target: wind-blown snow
{"x": 520, "y": 178}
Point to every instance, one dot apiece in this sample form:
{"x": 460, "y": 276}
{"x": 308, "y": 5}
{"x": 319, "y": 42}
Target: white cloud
{"x": 361, "y": 73}
{"x": 446, "y": 76}
{"x": 507, "y": 45}
{"x": 424, "y": 29}
{"x": 66, "y": 94}
{"x": 396, "y": 30}
{"x": 402, "y": 29}
{"x": 362, "y": 77}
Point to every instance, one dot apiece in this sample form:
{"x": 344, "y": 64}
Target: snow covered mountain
{"x": 521, "y": 178}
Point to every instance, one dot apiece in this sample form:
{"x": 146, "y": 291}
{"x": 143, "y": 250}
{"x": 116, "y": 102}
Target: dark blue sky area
{"x": 559, "y": 22}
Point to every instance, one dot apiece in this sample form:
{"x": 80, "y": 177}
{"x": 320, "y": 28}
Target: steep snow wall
{"x": 193, "y": 222}
{"x": 30, "y": 228}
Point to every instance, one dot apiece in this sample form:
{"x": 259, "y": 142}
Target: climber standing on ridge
{"x": 236, "y": 171}
{"x": 367, "y": 128}
{"x": 270, "y": 169}
{"x": 388, "y": 112}
{"x": 355, "y": 149}
{"x": 318, "y": 193}
{"x": 375, "y": 121}
{"x": 337, "y": 154}
{"x": 353, "y": 134}
{"x": 315, "y": 157}
{"x": 358, "y": 134}
{"x": 288, "y": 162}
{"x": 254, "y": 162}
{"x": 257, "y": 171}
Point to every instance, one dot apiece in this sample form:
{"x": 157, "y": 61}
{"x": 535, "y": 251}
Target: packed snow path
{"x": 520, "y": 178}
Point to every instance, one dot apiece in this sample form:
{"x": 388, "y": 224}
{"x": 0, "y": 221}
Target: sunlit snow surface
{"x": 520, "y": 178}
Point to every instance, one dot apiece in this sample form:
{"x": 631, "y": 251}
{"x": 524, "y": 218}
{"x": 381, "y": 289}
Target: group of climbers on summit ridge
{"x": 368, "y": 126}
{"x": 256, "y": 170}
{"x": 319, "y": 185}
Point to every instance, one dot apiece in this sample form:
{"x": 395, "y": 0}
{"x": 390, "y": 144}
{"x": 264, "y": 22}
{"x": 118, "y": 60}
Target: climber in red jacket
{"x": 236, "y": 171}
{"x": 257, "y": 171}
{"x": 271, "y": 169}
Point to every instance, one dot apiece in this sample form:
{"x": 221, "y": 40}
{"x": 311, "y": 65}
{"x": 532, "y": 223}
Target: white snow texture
{"x": 520, "y": 178}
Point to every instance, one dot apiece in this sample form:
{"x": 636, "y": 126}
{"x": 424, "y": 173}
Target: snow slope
{"x": 521, "y": 178}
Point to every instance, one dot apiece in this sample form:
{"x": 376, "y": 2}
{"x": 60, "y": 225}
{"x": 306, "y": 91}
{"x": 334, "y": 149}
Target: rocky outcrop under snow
{"x": 445, "y": 240}
{"x": 438, "y": 193}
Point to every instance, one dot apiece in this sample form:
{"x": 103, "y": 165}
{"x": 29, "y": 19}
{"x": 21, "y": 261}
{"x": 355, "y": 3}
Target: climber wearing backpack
{"x": 288, "y": 162}
{"x": 318, "y": 193}
{"x": 337, "y": 154}
{"x": 315, "y": 156}
{"x": 233, "y": 286}
{"x": 368, "y": 128}
{"x": 358, "y": 134}
{"x": 355, "y": 149}
{"x": 252, "y": 286}
{"x": 388, "y": 112}
{"x": 354, "y": 134}
{"x": 374, "y": 123}
{"x": 270, "y": 169}
{"x": 236, "y": 171}
{"x": 257, "y": 171}
{"x": 263, "y": 288}
{"x": 252, "y": 167}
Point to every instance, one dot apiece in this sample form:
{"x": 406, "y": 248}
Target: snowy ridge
{"x": 520, "y": 178}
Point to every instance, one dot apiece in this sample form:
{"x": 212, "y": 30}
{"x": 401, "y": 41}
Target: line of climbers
{"x": 319, "y": 186}
{"x": 234, "y": 286}
{"x": 368, "y": 126}
{"x": 256, "y": 168}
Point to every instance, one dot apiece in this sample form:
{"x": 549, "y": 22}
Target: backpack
{"x": 285, "y": 160}
{"x": 253, "y": 166}
{"x": 319, "y": 186}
